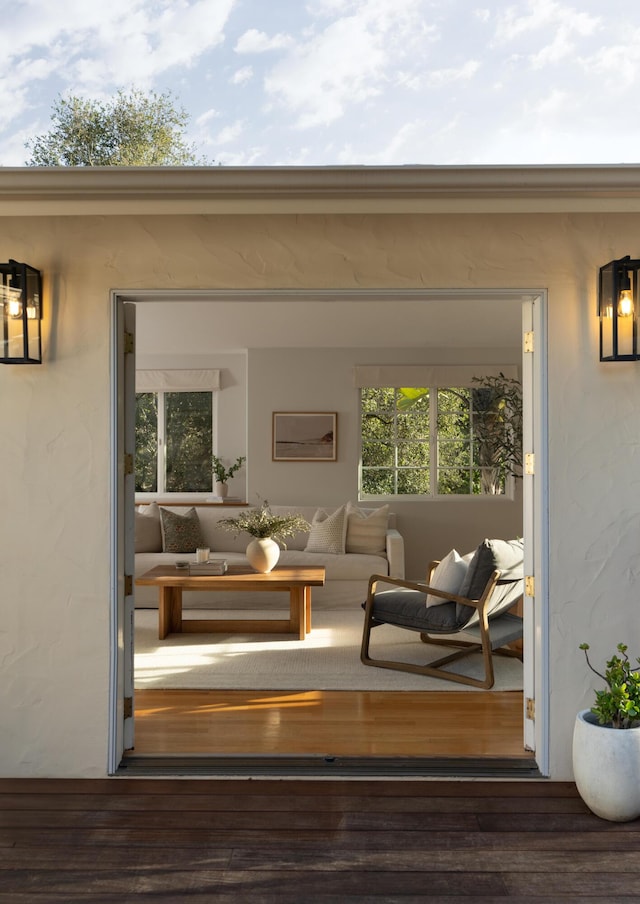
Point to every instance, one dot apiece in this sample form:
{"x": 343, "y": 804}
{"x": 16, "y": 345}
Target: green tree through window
{"x": 458, "y": 441}
{"x": 174, "y": 442}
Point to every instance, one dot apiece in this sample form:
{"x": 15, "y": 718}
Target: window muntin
{"x": 174, "y": 442}
{"x": 424, "y": 447}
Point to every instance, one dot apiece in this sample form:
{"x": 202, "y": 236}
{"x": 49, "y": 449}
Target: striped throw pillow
{"x": 367, "y": 530}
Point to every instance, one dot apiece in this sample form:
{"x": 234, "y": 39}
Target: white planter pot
{"x": 222, "y": 489}
{"x": 606, "y": 768}
{"x": 263, "y": 554}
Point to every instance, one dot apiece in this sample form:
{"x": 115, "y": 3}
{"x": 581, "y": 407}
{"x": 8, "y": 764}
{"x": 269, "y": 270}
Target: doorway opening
{"x": 284, "y": 711}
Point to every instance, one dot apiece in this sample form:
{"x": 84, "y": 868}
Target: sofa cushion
{"x": 366, "y": 530}
{"x": 448, "y": 576}
{"x": 148, "y": 534}
{"x": 328, "y": 532}
{"x": 180, "y": 533}
{"x": 337, "y": 568}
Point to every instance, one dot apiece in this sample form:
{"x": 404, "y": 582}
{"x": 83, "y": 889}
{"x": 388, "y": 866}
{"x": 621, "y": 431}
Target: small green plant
{"x": 618, "y": 705}
{"x": 261, "y": 522}
{"x": 223, "y": 474}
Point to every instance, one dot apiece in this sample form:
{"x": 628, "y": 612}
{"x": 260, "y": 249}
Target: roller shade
{"x": 177, "y": 380}
{"x": 372, "y": 376}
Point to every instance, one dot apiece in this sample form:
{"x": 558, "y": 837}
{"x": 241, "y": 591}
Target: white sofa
{"x": 347, "y": 574}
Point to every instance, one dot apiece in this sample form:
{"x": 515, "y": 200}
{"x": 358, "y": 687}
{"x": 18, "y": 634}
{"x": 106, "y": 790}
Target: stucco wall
{"x": 54, "y": 443}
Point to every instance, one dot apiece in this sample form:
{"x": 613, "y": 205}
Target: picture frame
{"x": 305, "y": 436}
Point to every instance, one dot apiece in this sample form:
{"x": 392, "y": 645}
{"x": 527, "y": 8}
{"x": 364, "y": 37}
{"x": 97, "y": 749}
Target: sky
{"x": 341, "y": 82}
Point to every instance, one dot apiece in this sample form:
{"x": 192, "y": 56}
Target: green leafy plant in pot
{"x": 606, "y": 741}
{"x": 223, "y": 474}
{"x": 268, "y": 530}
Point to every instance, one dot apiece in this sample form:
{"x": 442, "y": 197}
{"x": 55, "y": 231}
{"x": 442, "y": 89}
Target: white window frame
{"x": 434, "y": 378}
{"x": 161, "y": 382}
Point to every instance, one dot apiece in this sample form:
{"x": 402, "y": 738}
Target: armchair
{"x": 492, "y": 584}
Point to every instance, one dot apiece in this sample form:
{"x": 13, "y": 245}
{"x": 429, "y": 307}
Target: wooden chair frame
{"x": 506, "y": 628}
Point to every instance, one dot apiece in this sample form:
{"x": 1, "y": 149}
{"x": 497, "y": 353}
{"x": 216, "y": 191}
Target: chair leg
{"x": 432, "y": 668}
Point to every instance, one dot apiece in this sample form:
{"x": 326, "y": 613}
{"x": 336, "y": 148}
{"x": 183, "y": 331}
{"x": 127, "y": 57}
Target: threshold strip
{"x": 330, "y": 766}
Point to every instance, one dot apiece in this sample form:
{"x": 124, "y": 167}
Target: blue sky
{"x": 341, "y": 82}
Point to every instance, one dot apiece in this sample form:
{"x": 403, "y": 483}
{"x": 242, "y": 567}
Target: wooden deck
{"x": 309, "y": 842}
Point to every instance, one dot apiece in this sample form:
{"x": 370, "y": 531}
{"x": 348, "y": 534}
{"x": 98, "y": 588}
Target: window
{"x": 441, "y": 441}
{"x": 175, "y": 431}
{"x": 174, "y": 442}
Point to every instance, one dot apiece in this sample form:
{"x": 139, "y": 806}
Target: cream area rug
{"x": 329, "y": 658}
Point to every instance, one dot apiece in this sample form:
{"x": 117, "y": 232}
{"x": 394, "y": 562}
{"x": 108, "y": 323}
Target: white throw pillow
{"x": 328, "y": 532}
{"x": 367, "y": 530}
{"x": 148, "y": 535}
{"x": 448, "y": 576}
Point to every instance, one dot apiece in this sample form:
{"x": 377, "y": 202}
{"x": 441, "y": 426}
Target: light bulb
{"x": 15, "y": 308}
{"x": 625, "y": 303}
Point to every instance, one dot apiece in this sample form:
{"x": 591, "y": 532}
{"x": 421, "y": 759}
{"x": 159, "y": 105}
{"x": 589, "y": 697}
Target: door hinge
{"x": 128, "y": 707}
{"x": 128, "y": 584}
{"x": 530, "y": 463}
{"x": 530, "y": 705}
{"x": 128, "y": 463}
{"x": 528, "y": 342}
{"x": 129, "y": 343}
{"x": 530, "y": 585}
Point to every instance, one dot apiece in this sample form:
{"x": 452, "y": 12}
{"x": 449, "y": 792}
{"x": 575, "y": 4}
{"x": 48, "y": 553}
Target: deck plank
{"x": 280, "y": 841}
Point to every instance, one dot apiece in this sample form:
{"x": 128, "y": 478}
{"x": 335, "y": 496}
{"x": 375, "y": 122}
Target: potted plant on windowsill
{"x": 268, "y": 531}
{"x": 223, "y": 474}
{"x": 606, "y": 742}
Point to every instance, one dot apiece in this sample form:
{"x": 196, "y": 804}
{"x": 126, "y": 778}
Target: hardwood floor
{"x": 309, "y": 842}
{"x": 337, "y": 723}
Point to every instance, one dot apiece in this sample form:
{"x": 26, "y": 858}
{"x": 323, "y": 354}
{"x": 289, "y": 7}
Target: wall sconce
{"x": 618, "y": 310}
{"x": 21, "y": 314}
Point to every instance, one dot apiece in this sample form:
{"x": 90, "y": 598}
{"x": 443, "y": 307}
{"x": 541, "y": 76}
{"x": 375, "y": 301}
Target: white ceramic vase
{"x": 263, "y": 554}
{"x": 606, "y": 768}
{"x": 221, "y": 489}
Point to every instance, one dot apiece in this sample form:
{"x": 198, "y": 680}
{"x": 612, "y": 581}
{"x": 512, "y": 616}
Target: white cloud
{"x": 230, "y": 133}
{"x": 544, "y": 13}
{"x": 441, "y": 77}
{"x": 241, "y": 76}
{"x": 205, "y": 118}
{"x": 561, "y": 23}
{"x": 619, "y": 62}
{"x": 254, "y": 41}
{"x": 94, "y": 47}
{"x": 348, "y": 62}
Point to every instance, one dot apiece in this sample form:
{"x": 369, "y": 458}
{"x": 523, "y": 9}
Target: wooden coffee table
{"x": 297, "y": 579}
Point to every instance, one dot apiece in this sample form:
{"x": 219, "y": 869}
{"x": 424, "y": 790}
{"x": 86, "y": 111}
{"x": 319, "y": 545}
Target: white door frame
{"x": 536, "y": 677}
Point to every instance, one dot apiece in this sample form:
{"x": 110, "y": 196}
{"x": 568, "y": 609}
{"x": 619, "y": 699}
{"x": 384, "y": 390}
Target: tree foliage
{"x": 131, "y": 129}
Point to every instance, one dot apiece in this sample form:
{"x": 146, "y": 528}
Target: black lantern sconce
{"x": 618, "y": 310}
{"x": 21, "y": 312}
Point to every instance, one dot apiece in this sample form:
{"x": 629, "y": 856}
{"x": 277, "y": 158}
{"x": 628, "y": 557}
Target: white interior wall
{"x": 289, "y": 379}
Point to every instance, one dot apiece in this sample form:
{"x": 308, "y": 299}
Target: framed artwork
{"x": 305, "y": 436}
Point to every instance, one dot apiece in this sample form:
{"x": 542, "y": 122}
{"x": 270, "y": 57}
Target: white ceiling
{"x": 191, "y": 326}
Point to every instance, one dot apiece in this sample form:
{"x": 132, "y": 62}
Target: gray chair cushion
{"x": 409, "y": 608}
{"x": 506, "y": 556}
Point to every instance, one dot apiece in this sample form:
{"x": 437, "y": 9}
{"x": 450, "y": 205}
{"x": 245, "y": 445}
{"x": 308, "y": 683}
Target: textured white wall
{"x": 54, "y": 443}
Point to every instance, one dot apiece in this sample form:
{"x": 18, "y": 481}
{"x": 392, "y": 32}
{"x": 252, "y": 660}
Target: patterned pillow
{"x": 148, "y": 536}
{"x": 180, "y": 533}
{"x": 328, "y": 532}
{"x": 367, "y": 530}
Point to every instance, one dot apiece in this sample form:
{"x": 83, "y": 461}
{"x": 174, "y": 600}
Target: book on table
{"x": 212, "y": 567}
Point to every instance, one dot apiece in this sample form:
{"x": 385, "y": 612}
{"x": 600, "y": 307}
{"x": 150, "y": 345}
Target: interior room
{"x": 297, "y": 352}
